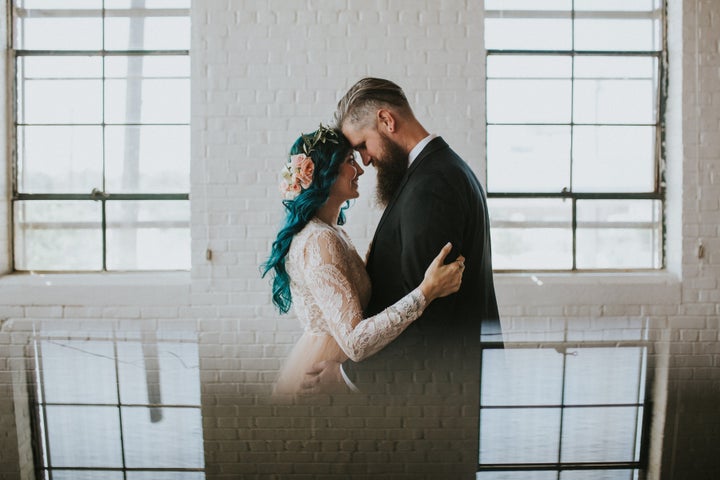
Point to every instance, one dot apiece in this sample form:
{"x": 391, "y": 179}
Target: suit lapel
{"x": 435, "y": 144}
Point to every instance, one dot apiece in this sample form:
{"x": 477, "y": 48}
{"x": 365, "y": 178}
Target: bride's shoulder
{"x": 317, "y": 231}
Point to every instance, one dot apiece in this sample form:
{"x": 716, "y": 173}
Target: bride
{"x": 317, "y": 270}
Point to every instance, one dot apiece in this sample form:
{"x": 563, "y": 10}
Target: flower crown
{"x": 297, "y": 174}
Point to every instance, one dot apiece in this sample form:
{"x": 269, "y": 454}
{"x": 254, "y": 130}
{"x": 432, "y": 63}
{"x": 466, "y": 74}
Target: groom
{"x": 430, "y": 196}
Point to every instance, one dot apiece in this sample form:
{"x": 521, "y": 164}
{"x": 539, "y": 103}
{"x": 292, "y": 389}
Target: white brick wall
{"x": 264, "y": 71}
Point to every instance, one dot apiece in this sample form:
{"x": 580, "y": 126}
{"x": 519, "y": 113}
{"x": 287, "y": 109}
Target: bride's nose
{"x": 358, "y": 170}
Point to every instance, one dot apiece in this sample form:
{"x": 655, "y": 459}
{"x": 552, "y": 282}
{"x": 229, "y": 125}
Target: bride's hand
{"x": 442, "y": 280}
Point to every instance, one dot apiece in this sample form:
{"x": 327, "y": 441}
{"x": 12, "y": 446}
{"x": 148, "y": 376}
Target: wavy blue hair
{"x": 327, "y": 157}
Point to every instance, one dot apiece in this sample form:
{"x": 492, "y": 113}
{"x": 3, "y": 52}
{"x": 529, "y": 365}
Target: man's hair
{"x": 366, "y": 97}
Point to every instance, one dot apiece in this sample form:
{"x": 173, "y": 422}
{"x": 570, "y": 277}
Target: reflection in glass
{"x": 174, "y": 441}
{"x": 85, "y": 426}
{"x": 521, "y": 376}
{"x": 87, "y": 475}
{"x": 519, "y": 435}
{"x": 84, "y": 436}
{"x": 619, "y": 474}
{"x": 582, "y": 405}
{"x": 78, "y": 371}
{"x": 609, "y": 375}
{"x": 603, "y": 434}
{"x": 177, "y": 361}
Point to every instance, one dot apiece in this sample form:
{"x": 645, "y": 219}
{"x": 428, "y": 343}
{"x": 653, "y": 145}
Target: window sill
{"x": 132, "y": 288}
{"x": 631, "y": 288}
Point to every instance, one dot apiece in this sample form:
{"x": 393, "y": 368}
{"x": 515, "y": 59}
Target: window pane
{"x": 600, "y": 154}
{"x": 58, "y": 235}
{"x": 528, "y": 5}
{"x": 614, "y": 101}
{"x": 617, "y": 5}
{"x": 599, "y": 434}
{"x": 84, "y": 436}
{"x": 134, "y": 475}
{"x": 161, "y": 66}
{"x": 528, "y": 101}
{"x": 172, "y": 441}
{"x": 531, "y": 233}
{"x": 59, "y": 101}
{"x": 604, "y": 376}
{"x": 59, "y": 32}
{"x": 148, "y": 235}
{"x": 148, "y": 4}
{"x": 618, "y": 234}
{"x": 622, "y": 35}
{"x": 147, "y": 159}
{"x": 64, "y": 67}
{"x": 521, "y": 377}
{"x": 597, "y": 474}
{"x": 528, "y": 66}
{"x": 147, "y": 32}
{"x": 519, "y": 435}
{"x": 528, "y": 158}
{"x": 86, "y": 475}
{"x": 528, "y": 33}
{"x": 59, "y": 159}
{"x": 174, "y": 364}
{"x": 618, "y": 68}
{"x": 79, "y": 371}
{"x": 65, "y": 4}
{"x": 543, "y": 475}
{"x": 147, "y": 101}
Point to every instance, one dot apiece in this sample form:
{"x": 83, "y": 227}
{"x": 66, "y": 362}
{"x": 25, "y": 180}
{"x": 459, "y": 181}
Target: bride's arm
{"x": 326, "y": 270}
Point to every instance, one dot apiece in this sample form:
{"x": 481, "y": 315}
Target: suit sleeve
{"x": 432, "y": 217}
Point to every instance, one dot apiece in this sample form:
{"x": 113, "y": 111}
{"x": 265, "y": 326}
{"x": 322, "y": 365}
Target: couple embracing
{"x": 411, "y": 314}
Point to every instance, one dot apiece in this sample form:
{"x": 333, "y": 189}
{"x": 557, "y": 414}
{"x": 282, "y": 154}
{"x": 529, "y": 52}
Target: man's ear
{"x": 386, "y": 120}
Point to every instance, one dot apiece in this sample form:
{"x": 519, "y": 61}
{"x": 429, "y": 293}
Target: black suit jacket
{"x": 440, "y": 200}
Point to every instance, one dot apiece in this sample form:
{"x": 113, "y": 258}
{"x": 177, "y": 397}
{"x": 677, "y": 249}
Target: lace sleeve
{"x": 325, "y": 266}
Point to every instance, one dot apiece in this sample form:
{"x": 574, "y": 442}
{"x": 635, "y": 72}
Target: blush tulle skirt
{"x": 310, "y": 349}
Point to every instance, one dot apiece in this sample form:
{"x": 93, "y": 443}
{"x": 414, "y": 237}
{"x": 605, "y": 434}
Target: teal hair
{"x": 327, "y": 157}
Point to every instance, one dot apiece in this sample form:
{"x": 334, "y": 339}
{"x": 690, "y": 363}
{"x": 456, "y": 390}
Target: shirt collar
{"x": 419, "y": 147}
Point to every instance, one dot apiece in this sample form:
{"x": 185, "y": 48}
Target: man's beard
{"x": 391, "y": 169}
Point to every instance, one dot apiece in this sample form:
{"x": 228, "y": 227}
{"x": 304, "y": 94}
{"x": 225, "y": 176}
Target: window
{"x": 118, "y": 408}
{"x": 575, "y": 93}
{"x": 563, "y": 411}
{"x": 101, "y": 125}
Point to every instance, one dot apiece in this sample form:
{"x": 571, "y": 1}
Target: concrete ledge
{"x": 135, "y": 289}
{"x": 535, "y": 289}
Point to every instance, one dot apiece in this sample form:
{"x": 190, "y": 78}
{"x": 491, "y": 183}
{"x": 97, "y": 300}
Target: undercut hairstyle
{"x": 360, "y": 103}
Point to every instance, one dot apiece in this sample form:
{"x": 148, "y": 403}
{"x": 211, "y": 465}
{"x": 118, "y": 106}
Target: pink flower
{"x": 304, "y": 172}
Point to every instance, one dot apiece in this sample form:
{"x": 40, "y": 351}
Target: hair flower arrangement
{"x": 297, "y": 174}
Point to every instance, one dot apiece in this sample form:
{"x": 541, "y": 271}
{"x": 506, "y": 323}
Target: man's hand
{"x": 324, "y": 377}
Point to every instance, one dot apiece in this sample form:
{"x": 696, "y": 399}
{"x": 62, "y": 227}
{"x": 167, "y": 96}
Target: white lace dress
{"x": 330, "y": 289}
